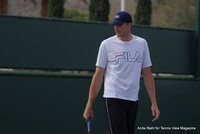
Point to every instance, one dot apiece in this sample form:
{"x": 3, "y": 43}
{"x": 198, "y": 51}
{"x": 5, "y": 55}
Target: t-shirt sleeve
{"x": 146, "y": 56}
{"x": 102, "y": 57}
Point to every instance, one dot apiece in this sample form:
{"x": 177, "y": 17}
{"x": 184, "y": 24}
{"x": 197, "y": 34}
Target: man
{"x": 120, "y": 60}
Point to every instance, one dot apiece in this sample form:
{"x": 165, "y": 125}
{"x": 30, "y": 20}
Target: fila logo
{"x": 126, "y": 56}
{"x": 117, "y": 16}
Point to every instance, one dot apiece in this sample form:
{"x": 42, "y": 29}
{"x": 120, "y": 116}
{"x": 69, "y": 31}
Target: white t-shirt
{"x": 123, "y": 62}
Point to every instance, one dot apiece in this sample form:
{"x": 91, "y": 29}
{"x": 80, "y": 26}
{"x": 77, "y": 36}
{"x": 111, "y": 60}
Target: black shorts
{"x": 120, "y": 116}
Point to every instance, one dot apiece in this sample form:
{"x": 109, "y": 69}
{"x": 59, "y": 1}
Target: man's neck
{"x": 125, "y": 38}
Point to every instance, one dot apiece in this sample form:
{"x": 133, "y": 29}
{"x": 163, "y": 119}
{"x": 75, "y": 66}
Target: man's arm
{"x": 150, "y": 86}
{"x": 94, "y": 90}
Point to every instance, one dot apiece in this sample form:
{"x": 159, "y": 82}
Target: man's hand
{"x": 88, "y": 113}
{"x": 155, "y": 112}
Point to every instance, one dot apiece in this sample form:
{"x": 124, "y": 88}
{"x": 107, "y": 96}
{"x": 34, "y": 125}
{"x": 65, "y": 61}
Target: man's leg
{"x": 115, "y": 116}
{"x": 132, "y": 109}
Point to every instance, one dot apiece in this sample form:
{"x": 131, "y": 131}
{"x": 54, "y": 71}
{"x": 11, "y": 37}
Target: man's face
{"x": 122, "y": 30}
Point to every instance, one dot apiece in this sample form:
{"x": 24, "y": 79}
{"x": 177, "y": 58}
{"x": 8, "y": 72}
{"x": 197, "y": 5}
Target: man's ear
{"x": 130, "y": 25}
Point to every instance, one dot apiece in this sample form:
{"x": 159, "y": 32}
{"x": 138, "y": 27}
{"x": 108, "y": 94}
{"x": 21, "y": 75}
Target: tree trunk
{"x": 44, "y": 8}
{"x": 3, "y": 6}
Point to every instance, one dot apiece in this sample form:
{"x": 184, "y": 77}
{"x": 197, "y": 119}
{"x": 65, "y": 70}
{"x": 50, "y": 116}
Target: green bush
{"x": 56, "y": 8}
{"x": 75, "y": 14}
{"x": 143, "y": 12}
{"x": 99, "y": 10}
